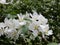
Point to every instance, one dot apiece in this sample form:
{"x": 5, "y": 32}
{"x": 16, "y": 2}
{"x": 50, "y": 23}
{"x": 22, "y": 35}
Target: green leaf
{"x": 24, "y": 29}
{"x": 52, "y": 44}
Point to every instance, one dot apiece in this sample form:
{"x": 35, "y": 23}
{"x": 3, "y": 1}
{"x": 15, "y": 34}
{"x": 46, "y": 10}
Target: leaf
{"x": 52, "y": 44}
{"x": 24, "y": 29}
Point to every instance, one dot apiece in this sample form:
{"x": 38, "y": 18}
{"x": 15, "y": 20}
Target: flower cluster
{"x": 36, "y": 23}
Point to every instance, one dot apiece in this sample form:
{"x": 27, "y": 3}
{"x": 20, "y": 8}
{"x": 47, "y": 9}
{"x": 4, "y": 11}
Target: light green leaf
{"x": 24, "y": 29}
{"x": 52, "y": 44}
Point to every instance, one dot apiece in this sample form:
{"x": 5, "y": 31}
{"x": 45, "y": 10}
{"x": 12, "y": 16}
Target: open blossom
{"x": 34, "y": 17}
{"x": 34, "y": 28}
{"x": 21, "y": 19}
{"x": 10, "y": 33}
{"x": 39, "y": 18}
{"x": 35, "y": 33}
{"x": 39, "y": 23}
{"x": 2, "y": 25}
{"x": 12, "y": 23}
{"x": 45, "y": 30}
{"x": 42, "y": 19}
{"x": 16, "y": 23}
{"x": 4, "y": 2}
{"x": 9, "y": 23}
{"x": 58, "y": 43}
{"x": 50, "y": 32}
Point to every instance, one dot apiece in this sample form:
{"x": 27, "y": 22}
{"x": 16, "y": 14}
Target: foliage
{"x": 52, "y": 44}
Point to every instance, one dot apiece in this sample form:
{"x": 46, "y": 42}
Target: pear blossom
{"x": 16, "y": 23}
{"x": 58, "y": 43}
{"x": 2, "y": 25}
{"x": 39, "y": 18}
{"x": 50, "y": 32}
{"x": 9, "y": 23}
{"x": 34, "y": 17}
{"x": 10, "y": 33}
{"x": 4, "y": 2}
{"x": 21, "y": 19}
{"x": 12, "y": 23}
{"x": 42, "y": 20}
{"x": 27, "y": 15}
{"x": 45, "y": 30}
{"x": 34, "y": 28}
{"x": 35, "y": 33}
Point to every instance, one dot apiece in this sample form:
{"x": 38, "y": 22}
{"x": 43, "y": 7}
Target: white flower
{"x": 12, "y": 28}
{"x": 2, "y": 25}
{"x": 39, "y": 18}
{"x": 9, "y": 23}
{"x": 33, "y": 26}
{"x": 27, "y": 15}
{"x": 10, "y": 33}
{"x": 42, "y": 19}
{"x": 12, "y": 23}
{"x": 4, "y": 2}
{"x": 34, "y": 17}
{"x": 58, "y": 43}
{"x": 35, "y": 33}
{"x": 50, "y": 32}
{"x": 21, "y": 19}
{"x": 16, "y": 23}
{"x": 45, "y": 30}
{"x": 22, "y": 23}
{"x": 17, "y": 34}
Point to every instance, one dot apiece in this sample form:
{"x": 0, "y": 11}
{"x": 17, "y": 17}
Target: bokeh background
{"x": 48, "y": 8}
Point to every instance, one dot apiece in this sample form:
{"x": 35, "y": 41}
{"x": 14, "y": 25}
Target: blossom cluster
{"x": 36, "y": 23}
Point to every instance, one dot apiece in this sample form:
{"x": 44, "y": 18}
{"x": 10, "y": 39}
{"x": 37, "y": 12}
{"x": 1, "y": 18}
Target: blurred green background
{"x": 48, "y": 8}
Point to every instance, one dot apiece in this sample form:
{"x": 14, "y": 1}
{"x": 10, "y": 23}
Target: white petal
{"x": 22, "y": 23}
{"x": 42, "y": 19}
{"x": 50, "y": 32}
{"x": 43, "y": 28}
{"x": 16, "y": 23}
{"x": 10, "y": 33}
{"x": 2, "y": 25}
{"x": 35, "y": 33}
